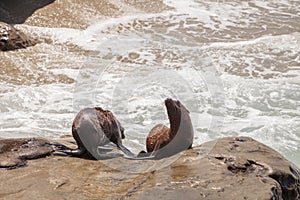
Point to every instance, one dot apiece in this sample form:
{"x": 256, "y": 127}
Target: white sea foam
{"x": 233, "y": 83}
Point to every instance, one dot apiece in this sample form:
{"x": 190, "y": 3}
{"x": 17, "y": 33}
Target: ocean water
{"x": 235, "y": 65}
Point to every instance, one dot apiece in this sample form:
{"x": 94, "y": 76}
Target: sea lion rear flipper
{"x": 59, "y": 147}
{"x": 64, "y": 149}
{"x": 74, "y": 152}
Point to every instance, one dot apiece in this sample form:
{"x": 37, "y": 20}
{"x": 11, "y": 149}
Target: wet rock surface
{"x": 15, "y": 152}
{"x": 228, "y": 168}
{"x": 12, "y": 38}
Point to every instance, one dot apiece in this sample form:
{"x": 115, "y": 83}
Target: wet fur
{"x": 94, "y": 127}
{"x": 163, "y": 141}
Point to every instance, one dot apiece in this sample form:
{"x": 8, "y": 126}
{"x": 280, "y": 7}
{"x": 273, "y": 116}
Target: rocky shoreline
{"x": 227, "y": 168}
{"x": 30, "y": 168}
{"x": 12, "y": 38}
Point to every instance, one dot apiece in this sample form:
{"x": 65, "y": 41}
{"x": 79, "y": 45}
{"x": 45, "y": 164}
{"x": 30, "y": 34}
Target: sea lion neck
{"x": 178, "y": 137}
{"x": 174, "y": 115}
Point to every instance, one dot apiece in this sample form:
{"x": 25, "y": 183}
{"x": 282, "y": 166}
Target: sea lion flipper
{"x": 58, "y": 147}
{"x": 74, "y": 152}
{"x": 142, "y": 156}
{"x": 64, "y": 149}
{"x": 156, "y": 147}
{"x": 126, "y": 151}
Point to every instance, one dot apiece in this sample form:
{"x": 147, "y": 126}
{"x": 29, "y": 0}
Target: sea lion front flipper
{"x": 144, "y": 155}
{"x": 141, "y": 156}
{"x": 73, "y": 152}
{"x": 156, "y": 147}
{"x": 126, "y": 151}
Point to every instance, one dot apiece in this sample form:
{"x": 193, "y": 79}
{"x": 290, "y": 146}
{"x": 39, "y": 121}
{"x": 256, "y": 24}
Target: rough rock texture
{"x": 15, "y": 152}
{"x": 11, "y": 38}
{"x": 229, "y": 168}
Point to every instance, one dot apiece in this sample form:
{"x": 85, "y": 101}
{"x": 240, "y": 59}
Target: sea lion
{"x": 94, "y": 127}
{"x": 163, "y": 141}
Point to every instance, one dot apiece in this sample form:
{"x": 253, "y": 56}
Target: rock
{"x": 15, "y": 152}
{"x": 228, "y": 168}
{"x": 12, "y": 38}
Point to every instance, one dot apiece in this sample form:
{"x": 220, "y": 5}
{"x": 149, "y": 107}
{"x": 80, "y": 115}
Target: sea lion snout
{"x": 169, "y": 101}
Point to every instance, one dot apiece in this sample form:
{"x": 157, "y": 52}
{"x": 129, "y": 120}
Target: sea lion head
{"x": 176, "y": 113}
{"x": 174, "y": 106}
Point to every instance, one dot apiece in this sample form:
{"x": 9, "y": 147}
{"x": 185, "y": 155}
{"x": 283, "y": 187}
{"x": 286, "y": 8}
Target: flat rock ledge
{"x": 12, "y": 38}
{"x": 227, "y": 168}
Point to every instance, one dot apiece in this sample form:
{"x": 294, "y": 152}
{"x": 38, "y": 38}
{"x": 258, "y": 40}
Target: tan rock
{"x": 228, "y": 168}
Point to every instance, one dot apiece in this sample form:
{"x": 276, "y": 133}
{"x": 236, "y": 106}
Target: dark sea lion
{"x": 163, "y": 141}
{"x": 94, "y": 127}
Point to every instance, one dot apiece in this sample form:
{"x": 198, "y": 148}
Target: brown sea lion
{"x": 94, "y": 127}
{"x": 164, "y": 141}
